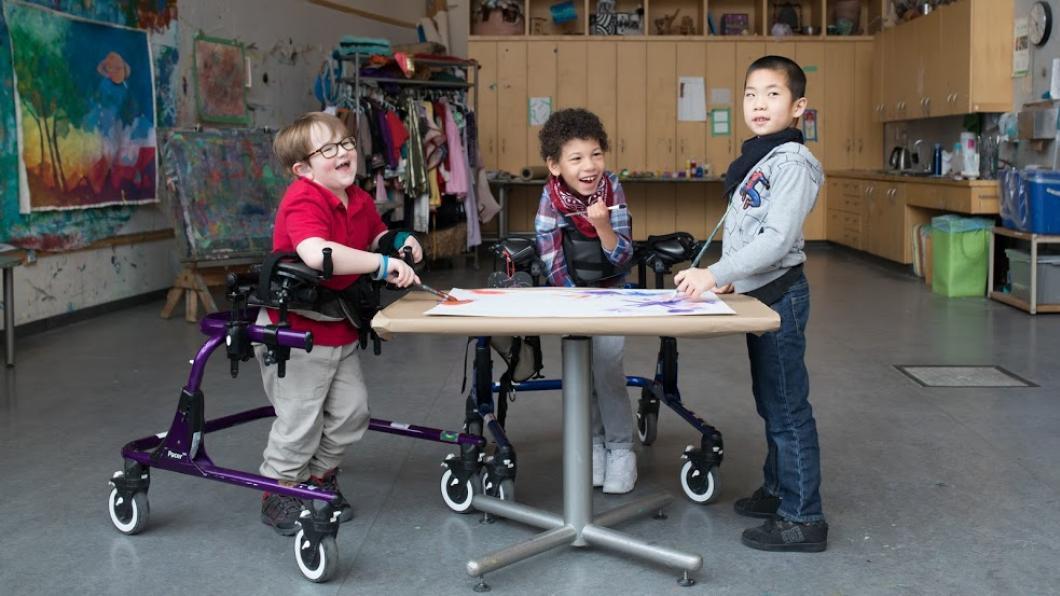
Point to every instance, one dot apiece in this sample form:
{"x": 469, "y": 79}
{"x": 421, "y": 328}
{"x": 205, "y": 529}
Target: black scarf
{"x": 752, "y": 152}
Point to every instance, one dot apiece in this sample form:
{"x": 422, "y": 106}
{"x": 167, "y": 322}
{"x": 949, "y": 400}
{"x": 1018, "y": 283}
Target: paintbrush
{"x": 611, "y": 208}
{"x": 703, "y": 251}
{"x": 443, "y": 295}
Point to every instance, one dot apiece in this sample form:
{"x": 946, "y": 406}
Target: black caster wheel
{"x": 129, "y": 515}
{"x": 503, "y": 489}
{"x": 456, "y": 494}
{"x": 319, "y": 564}
{"x": 647, "y": 417}
{"x": 700, "y": 486}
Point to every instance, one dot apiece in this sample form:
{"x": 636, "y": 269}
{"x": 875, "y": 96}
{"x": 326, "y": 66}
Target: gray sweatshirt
{"x": 763, "y": 228}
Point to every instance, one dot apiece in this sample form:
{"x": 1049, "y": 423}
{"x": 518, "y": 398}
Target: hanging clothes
{"x": 459, "y": 172}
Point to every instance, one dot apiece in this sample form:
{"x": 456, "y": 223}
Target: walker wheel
{"x": 129, "y": 516}
{"x": 700, "y": 486}
{"x": 319, "y": 564}
{"x": 457, "y": 495}
{"x": 503, "y": 490}
{"x": 647, "y": 417}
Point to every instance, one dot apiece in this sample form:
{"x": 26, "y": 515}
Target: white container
{"x": 969, "y": 155}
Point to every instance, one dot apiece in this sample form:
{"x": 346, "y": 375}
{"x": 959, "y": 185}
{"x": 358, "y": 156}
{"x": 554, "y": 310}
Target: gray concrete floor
{"x": 928, "y": 491}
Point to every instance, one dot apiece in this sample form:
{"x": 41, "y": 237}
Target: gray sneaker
{"x": 621, "y": 473}
{"x": 599, "y": 462}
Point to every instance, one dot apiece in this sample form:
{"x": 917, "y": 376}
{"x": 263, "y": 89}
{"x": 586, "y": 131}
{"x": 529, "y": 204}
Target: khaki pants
{"x": 321, "y": 409}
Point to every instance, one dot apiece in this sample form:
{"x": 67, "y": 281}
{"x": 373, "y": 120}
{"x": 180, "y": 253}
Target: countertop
{"x": 878, "y": 175}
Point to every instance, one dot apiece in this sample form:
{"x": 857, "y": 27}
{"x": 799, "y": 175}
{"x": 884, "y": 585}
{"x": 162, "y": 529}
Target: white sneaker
{"x": 621, "y": 473}
{"x": 599, "y": 462}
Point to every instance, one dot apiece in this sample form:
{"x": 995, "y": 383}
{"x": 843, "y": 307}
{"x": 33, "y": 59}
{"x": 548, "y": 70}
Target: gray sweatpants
{"x": 612, "y": 413}
{"x": 321, "y": 409}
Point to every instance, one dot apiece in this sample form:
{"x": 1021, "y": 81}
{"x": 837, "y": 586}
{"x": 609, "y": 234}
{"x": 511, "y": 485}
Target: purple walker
{"x": 284, "y": 282}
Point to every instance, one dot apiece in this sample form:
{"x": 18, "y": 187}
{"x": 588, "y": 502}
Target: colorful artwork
{"x": 222, "y": 191}
{"x": 220, "y": 79}
{"x": 576, "y": 303}
{"x": 85, "y": 111}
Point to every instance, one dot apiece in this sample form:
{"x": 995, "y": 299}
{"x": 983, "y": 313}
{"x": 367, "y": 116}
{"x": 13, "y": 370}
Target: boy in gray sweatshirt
{"x": 772, "y": 187}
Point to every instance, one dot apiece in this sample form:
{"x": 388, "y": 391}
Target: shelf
{"x": 411, "y": 82}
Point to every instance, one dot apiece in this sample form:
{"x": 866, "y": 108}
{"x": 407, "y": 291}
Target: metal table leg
{"x": 9, "y": 315}
{"x": 577, "y": 527}
{"x": 502, "y": 217}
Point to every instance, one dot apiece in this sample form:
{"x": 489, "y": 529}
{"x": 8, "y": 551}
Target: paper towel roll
{"x": 533, "y": 173}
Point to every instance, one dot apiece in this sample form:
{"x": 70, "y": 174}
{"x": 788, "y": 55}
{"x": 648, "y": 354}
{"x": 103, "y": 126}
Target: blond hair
{"x": 295, "y": 140}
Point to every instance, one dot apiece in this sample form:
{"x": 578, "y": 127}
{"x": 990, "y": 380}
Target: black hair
{"x": 566, "y": 125}
{"x": 796, "y": 77}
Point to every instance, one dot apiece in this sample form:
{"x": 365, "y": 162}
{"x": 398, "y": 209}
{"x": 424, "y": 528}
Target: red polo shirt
{"x": 308, "y": 210}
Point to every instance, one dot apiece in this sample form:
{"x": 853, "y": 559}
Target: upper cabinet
{"x": 927, "y": 64}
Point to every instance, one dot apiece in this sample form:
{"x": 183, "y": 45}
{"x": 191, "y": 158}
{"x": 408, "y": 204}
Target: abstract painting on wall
{"x": 220, "y": 79}
{"x": 85, "y": 111}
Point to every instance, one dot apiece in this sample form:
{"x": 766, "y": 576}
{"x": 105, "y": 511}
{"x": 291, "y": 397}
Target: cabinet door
{"x": 632, "y": 104}
{"x": 811, "y": 57}
{"x": 867, "y": 149}
{"x": 485, "y": 53}
{"x": 889, "y": 46}
{"x": 540, "y": 82}
{"x": 691, "y": 136}
{"x": 721, "y": 84}
{"x": 836, "y": 121}
{"x": 932, "y": 49}
{"x": 746, "y": 53}
{"x": 511, "y": 106}
{"x": 905, "y": 66}
{"x": 601, "y": 97}
{"x": 571, "y": 69}
{"x": 892, "y": 241}
{"x": 878, "y": 67}
{"x": 661, "y": 97}
{"x": 956, "y": 64}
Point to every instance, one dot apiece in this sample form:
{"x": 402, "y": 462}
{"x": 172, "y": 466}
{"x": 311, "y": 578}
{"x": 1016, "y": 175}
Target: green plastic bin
{"x": 960, "y": 246}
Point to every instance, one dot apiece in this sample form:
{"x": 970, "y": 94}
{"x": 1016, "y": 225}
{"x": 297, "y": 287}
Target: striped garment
{"x": 549, "y": 225}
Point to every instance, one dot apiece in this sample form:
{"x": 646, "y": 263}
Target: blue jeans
{"x": 781, "y": 386}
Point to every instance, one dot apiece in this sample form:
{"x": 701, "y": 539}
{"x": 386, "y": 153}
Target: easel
{"x": 194, "y": 281}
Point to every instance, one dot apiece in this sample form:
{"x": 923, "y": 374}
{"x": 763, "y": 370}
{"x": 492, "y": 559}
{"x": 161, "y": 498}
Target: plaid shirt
{"x": 549, "y": 225}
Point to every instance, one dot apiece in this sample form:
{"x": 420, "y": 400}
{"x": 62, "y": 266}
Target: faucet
{"x": 916, "y": 151}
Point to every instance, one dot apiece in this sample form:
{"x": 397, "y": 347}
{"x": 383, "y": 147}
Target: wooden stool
{"x": 194, "y": 281}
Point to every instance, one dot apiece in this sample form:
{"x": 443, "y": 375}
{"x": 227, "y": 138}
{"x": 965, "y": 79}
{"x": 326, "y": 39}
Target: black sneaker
{"x": 281, "y": 513}
{"x": 759, "y": 504}
{"x": 786, "y": 536}
{"x": 330, "y": 483}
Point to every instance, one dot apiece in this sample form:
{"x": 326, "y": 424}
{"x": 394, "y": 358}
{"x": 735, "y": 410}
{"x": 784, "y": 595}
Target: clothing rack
{"x": 419, "y": 88}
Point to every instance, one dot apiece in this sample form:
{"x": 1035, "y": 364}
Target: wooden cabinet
{"x": 721, "y": 74}
{"x": 630, "y": 131}
{"x": 845, "y": 204}
{"x": 879, "y": 103}
{"x": 511, "y": 99}
{"x": 746, "y": 54}
{"x": 540, "y": 82}
{"x": 927, "y": 63}
{"x": 485, "y": 53}
{"x": 836, "y": 121}
{"x": 866, "y": 146}
{"x": 691, "y": 137}
{"x": 600, "y": 96}
{"x": 661, "y": 102}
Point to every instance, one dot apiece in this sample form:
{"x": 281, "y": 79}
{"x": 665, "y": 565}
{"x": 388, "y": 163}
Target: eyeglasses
{"x": 329, "y": 150}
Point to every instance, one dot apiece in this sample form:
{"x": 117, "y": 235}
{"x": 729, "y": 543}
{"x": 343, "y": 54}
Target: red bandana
{"x": 566, "y": 201}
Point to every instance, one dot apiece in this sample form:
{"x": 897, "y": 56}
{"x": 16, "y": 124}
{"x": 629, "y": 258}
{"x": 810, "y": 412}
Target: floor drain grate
{"x": 962, "y": 376}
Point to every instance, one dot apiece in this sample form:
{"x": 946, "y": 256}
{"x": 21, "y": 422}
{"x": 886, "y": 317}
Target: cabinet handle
{"x": 848, "y": 145}
{"x": 670, "y": 146}
{"x": 504, "y": 147}
{"x": 927, "y": 104}
{"x": 683, "y": 152}
{"x": 622, "y": 145}
{"x": 859, "y": 145}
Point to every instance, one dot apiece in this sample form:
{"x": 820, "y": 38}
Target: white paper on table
{"x": 577, "y": 303}
{"x": 691, "y": 100}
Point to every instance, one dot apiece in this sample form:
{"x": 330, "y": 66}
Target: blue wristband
{"x": 399, "y": 240}
{"x": 384, "y": 265}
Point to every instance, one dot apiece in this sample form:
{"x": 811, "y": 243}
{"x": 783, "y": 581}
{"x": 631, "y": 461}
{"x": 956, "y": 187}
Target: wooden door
{"x": 746, "y": 53}
{"x": 661, "y": 116}
{"x": 632, "y": 104}
{"x": 878, "y": 66}
{"x": 541, "y": 76}
{"x": 955, "y": 61}
{"x": 836, "y": 122}
{"x": 934, "y": 42}
{"x": 485, "y": 53}
{"x": 601, "y": 97}
{"x": 811, "y": 57}
{"x": 571, "y": 70}
{"x": 868, "y": 132}
{"x": 691, "y": 136}
{"x": 722, "y": 85}
{"x": 512, "y": 121}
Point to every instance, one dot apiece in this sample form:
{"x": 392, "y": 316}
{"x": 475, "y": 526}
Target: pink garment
{"x": 380, "y": 188}
{"x": 458, "y": 167}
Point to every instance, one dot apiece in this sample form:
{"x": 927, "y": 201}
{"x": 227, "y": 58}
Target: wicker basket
{"x": 446, "y": 243}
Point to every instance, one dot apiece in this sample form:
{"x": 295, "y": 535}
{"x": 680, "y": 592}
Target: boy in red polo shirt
{"x": 322, "y": 403}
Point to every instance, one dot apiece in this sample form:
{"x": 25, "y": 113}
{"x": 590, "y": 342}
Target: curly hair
{"x": 566, "y": 125}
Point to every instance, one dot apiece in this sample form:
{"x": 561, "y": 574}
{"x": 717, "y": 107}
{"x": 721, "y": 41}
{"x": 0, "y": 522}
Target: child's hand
{"x": 693, "y": 282}
{"x": 599, "y": 216}
{"x": 417, "y": 250}
{"x": 400, "y": 274}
